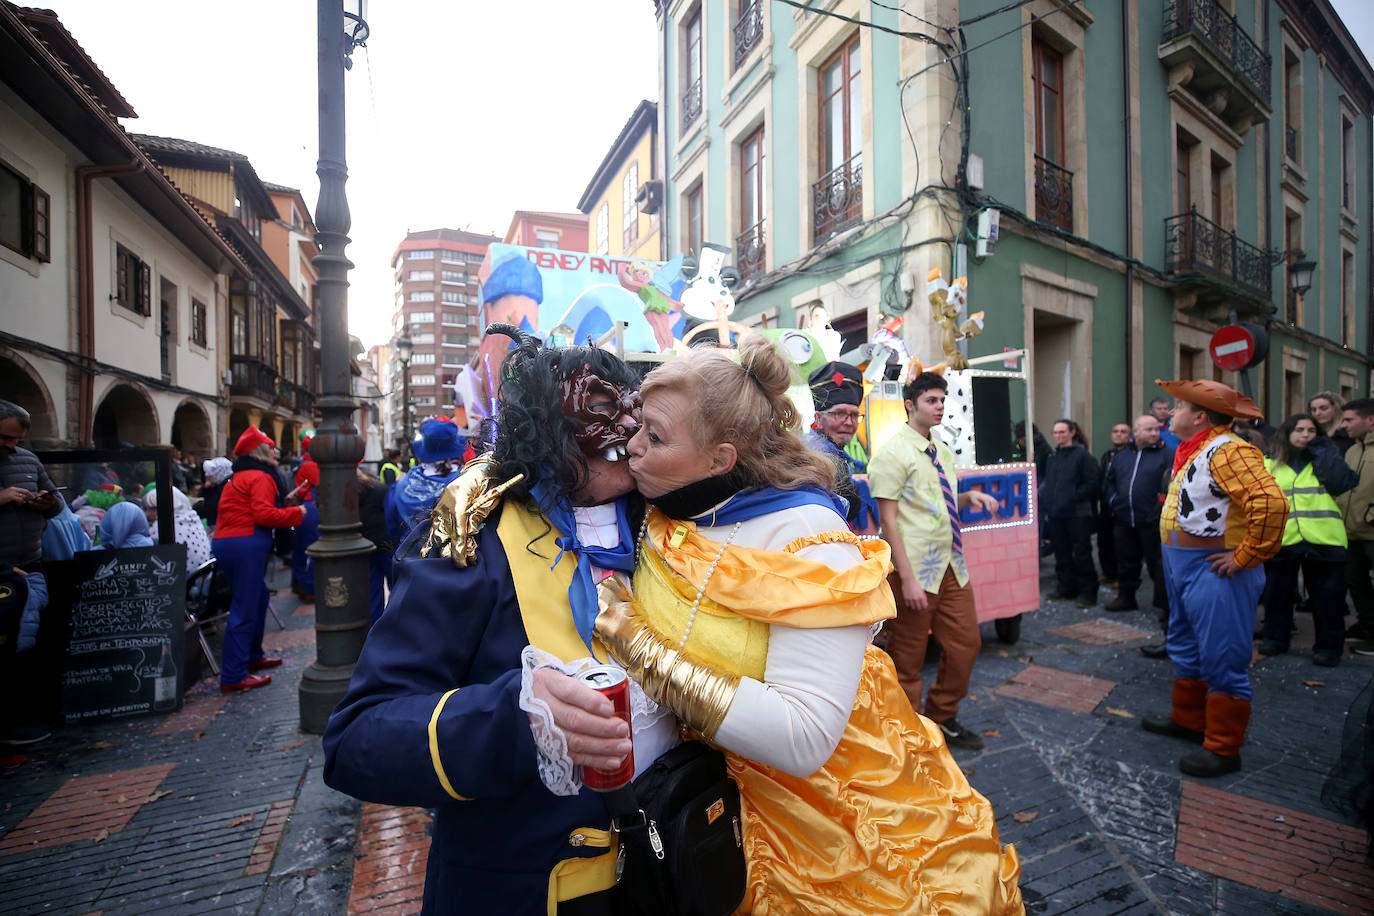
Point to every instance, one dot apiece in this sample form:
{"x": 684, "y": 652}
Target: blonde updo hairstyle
{"x": 746, "y": 405}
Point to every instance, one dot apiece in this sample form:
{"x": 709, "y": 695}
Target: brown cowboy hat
{"x": 1212, "y": 395}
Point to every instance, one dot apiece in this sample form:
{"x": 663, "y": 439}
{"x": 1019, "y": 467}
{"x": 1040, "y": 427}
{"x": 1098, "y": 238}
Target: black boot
{"x": 1164, "y": 725}
{"x": 1205, "y": 764}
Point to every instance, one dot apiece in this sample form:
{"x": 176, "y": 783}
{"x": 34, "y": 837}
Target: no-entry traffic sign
{"x": 1239, "y": 346}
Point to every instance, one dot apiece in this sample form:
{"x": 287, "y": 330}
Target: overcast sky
{"x": 481, "y": 108}
{"x": 459, "y": 111}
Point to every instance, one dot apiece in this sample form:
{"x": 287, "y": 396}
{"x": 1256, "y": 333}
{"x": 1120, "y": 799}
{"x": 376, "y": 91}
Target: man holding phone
{"x": 27, "y": 495}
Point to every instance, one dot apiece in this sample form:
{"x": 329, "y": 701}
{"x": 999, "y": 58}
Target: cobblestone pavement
{"x": 220, "y": 808}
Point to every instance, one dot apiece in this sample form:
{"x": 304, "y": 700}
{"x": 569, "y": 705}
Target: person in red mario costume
{"x": 250, "y": 505}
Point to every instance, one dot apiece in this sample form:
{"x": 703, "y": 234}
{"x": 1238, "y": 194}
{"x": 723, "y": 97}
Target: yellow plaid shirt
{"x": 1259, "y": 510}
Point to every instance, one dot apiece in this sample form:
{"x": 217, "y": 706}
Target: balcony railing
{"x": 750, "y": 248}
{"x": 1290, "y": 141}
{"x": 1053, "y": 194}
{"x": 748, "y": 31}
{"x": 1218, "y": 29}
{"x": 1194, "y": 244}
{"x": 252, "y": 378}
{"x": 305, "y": 400}
{"x": 691, "y": 103}
{"x": 837, "y": 199}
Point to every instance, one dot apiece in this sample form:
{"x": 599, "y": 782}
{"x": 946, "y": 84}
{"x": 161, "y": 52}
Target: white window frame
{"x": 603, "y": 228}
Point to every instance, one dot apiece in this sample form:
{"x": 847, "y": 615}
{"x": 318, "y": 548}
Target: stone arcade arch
{"x": 238, "y": 422}
{"x": 22, "y": 385}
{"x": 126, "y": 415}
{"x": 192, "y": 431}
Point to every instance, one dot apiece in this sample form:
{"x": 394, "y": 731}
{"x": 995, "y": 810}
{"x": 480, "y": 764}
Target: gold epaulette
{"x": 462, "y": 509}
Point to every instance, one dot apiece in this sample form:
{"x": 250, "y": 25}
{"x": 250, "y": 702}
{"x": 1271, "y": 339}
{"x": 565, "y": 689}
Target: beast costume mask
{"x": 594, "y": 405}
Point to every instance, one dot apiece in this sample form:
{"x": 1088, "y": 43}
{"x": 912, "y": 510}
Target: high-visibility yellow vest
{"x": 395, "y": 472}
{"x": 1313, "y": 515}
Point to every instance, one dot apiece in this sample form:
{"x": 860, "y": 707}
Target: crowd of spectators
{"x": 1319, "y": 460}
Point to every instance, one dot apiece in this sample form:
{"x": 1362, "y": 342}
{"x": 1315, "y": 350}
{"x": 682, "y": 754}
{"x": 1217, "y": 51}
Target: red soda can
{"x": 613, "y": 684}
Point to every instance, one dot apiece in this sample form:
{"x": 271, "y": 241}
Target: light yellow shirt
{"x": 902, "y": 471}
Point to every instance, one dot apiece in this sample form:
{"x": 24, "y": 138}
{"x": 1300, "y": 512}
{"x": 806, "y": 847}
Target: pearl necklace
{"x": 711, "y": 571}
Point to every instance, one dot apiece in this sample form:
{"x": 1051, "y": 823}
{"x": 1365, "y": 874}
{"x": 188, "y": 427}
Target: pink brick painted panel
{"x": 1004, "y": 563}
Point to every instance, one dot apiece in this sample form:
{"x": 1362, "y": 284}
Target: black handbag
{"x": 681, "y": 839}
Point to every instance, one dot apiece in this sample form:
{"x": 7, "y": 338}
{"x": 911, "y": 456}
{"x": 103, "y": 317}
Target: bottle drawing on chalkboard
{"x": 165, "y": 681}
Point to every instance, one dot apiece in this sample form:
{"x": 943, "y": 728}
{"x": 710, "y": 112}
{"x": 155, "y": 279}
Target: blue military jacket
{"x": 447, "y": 628}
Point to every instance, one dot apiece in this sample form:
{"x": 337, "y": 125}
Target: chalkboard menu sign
{"x": 124, "y": 631}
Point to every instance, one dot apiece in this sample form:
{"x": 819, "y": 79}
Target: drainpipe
{"x": 662, "y": 140}
{"x": 1130, "y": 209}
{"x": 1263, "y": 399}
{"x": 85, "y": 291}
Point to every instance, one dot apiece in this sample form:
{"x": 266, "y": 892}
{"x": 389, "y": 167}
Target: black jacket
{"x": 21, "y": 528}
{"x": 372, "y": 512}
{"x": 1328, "y": 463}
{"x": 1071, "y": 482}
{"x": 1135, "y": 482}
{"x": 1106, "y": 462}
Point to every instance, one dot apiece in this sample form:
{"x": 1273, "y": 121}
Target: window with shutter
{"x": 24, "y": 216}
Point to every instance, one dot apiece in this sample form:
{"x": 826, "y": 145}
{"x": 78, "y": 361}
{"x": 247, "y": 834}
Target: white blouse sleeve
{"x": 793, "y": 720}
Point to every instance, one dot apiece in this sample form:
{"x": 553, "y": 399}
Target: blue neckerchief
{"x": 756, "y": 501}
{"x": 582, "y": 591}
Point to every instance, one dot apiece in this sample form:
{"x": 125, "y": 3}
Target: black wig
{"x": 531, "y": 431}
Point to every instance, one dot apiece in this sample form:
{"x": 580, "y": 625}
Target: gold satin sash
{"x": 542, "y": 593}
{"x": 772, "y": 586}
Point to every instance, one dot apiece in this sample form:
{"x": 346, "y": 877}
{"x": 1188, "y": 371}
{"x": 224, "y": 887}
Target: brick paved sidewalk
{"x": 220, "y": 808}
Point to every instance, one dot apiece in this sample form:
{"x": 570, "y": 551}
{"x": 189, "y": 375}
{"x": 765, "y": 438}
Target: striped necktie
{"x": 951, "y": 503}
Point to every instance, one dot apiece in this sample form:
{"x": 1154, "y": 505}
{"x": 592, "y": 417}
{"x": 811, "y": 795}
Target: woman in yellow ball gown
{"x": 751, "y": 619}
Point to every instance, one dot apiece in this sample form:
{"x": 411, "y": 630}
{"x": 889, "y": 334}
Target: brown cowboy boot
{"x": 1227, "y": 718}
{"x": 1188, "y": 719}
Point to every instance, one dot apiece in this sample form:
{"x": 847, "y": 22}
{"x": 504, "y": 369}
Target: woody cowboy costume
{"x": 1223, "y": 517}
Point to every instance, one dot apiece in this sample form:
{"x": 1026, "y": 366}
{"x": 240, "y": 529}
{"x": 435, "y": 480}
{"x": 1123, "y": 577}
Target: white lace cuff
{"x": 556, "y": 769}
{"x": 652, "y": 734}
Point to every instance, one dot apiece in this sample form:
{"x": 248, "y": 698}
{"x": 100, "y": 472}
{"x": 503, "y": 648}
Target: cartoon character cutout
{"x": 947, "y": 302}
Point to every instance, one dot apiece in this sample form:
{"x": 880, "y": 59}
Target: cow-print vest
{"x": 1202, "y": 505}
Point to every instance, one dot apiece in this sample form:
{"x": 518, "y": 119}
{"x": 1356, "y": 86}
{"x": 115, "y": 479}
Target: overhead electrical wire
{"x": 866, "y": 23}
{"x": 806, "y": 266}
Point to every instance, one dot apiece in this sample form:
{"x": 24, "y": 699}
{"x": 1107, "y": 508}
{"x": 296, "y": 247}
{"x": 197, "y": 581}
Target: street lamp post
{"x": 404, "y": 348}
{"x": 341, "y": 554}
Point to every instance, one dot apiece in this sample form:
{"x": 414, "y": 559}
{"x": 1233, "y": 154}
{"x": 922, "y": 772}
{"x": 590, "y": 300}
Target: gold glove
{"x": 697, "y": 694}
{"x": 462, "y": 510}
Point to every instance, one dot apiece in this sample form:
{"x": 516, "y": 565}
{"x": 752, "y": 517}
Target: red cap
{"x": 308, "y": 472}
{"x": 252, "y": 437}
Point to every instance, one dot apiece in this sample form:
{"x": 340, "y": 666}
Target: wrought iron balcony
{"x": 837, "y": 199}
{"x": 305, "y": 400}
{"x": 1290, "y": 141}
{"x": 1197, "y": 248}
{"x": 284, "y": 395}
{"x": 748, "y": 31}
{"x": 1053, "y": 194}
{"x": 691, "y": 103}
{"x": 1203, "y": 34}
{"x": 750, "y": 249}
{"x": 250, "y": 377}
